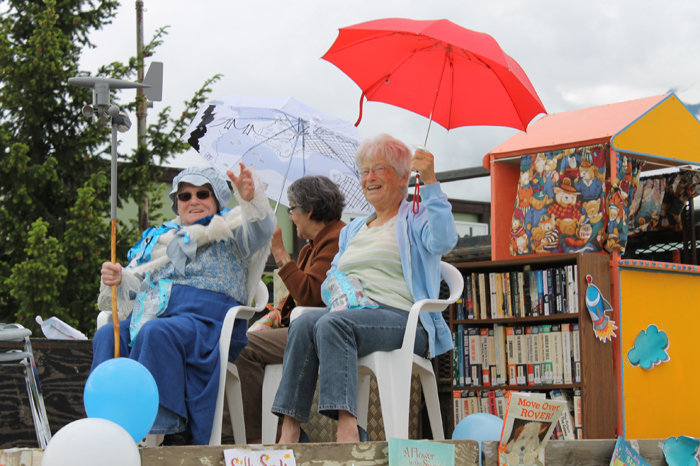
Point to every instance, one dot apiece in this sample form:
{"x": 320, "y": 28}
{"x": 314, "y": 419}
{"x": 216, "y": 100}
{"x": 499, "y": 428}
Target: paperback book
{"x": 528, "y": 425}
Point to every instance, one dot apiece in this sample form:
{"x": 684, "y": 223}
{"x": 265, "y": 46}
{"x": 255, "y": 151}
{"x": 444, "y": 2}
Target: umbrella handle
{"x": 115, "y": 314}
{"x": 416, "y": 195}
{"x": 360, "y": 117}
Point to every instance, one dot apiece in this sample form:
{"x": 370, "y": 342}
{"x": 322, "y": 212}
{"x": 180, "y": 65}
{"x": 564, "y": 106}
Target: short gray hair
{"x": 318, "y": 195}
{"x": 387, "y": 147}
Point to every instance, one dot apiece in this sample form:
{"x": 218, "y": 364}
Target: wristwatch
{"x": 280, "y": 263}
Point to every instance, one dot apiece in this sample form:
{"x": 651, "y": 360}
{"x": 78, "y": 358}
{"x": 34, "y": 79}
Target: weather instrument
{"x": 104, "y": 110}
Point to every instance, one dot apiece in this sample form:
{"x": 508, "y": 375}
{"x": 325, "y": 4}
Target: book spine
{"x": 493, "y": 409}
{"x": 500, "y": 404}
{"x": 466, "y": 361}
{"x": 515, "y": 302}
{"x": 540, "y": 293}
{"x": 512, "y": 367}
{"x": 530, "y": 355}
{"x": 575, "y": 303}
{"x": 493, "y": 286}
{"x": 520, "y": 355}
{"x": 570, "y": 288}
{"x": 475, "y": 297}
{"x": 473, "y": 402}
{"x": 485, "y": 358}
{"x": 578, "y": 413}
{"x": 501, "y": 351}
{"x": 566, "y": 352}
{"x": 547, "y": 352}
{"x": 457, "y": 405}
{"x": 557, "y": 292}
{"x": 475, "y": 353}
{"x": 536, "y": 355}
{"x": 460, "y": 353}
{"x": 549, "y": 288}
{"x": 483, "y": 293}
{"x": 527, "y": 293}
{"x": 455, "y": 358}
{"x": 468, "y": 300}
{"x": 557, "y": 355}
{"x": 484, "y": 401}
{"x": 576, "y": 350}
{"x": 493, "y": 355}
{"x": 534, "y": 300}
{"x": 523, "y": 295}
{"x": 507, "y": 300}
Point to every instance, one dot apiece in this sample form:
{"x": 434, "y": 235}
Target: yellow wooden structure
{"x": 659, "y": 402}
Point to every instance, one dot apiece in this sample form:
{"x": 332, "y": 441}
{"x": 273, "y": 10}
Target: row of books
{"x": 499, "y": 295}
{"x": 496, "y": 355}
{"x": 569, "y": 426}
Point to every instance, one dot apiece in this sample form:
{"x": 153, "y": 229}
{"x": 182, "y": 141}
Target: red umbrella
{"x": 437, "y": 69}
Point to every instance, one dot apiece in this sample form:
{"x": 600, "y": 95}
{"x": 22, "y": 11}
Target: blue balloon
{"x": 480, "y": 427}
{"x": 123, "y": 391}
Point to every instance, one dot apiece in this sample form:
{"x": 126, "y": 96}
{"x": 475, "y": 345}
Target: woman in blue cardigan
{"x": 395, "y": 254}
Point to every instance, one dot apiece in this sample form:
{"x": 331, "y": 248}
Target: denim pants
{"x": 327, "y": 345}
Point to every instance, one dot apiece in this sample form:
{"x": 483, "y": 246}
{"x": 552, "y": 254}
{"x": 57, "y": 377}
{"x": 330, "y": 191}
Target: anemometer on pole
{"x": 104, "y": 110}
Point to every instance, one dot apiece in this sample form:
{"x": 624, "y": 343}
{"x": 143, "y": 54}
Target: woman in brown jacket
{"x": 316, "y": 205}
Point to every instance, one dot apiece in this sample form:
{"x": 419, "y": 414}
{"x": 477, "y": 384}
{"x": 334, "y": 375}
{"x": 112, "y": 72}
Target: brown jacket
{"x": 303, "y": 279}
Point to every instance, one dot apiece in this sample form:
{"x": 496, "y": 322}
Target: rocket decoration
{"x": 597, "y": 305}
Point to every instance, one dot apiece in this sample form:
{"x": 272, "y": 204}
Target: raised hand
{"x": 423, "y": 163}
{"x": 244, "y": 182}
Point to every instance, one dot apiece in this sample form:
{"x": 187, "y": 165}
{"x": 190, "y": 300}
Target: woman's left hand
{"x": 423, "y": 163}
{"x": 244, "y": 182}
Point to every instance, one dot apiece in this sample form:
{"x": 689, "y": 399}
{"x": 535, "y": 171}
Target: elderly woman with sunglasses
{"x": 181, "y": 279}
{"x": 395, "y": 254}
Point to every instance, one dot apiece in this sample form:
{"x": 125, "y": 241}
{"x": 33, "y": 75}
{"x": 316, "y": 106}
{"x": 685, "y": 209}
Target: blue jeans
{"x": 167, "y": 422}
{"x": 327, "y": 345}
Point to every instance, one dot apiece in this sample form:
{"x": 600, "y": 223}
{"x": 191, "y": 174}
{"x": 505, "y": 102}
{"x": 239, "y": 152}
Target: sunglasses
{"x": 201, "y": 195}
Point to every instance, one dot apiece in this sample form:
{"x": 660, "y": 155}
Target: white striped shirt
{"x": 373, "y": 257}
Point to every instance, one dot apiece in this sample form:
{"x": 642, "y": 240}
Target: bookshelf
{"x": 597, "y": 385}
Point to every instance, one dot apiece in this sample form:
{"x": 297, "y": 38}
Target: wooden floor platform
{"x": 558, "y": 453}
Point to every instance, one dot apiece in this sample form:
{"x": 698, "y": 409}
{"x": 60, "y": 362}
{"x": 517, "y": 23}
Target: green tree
{"x": 54, "y": 182}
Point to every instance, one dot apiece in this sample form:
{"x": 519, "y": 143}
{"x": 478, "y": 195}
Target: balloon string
{"x": 416, "y": 195}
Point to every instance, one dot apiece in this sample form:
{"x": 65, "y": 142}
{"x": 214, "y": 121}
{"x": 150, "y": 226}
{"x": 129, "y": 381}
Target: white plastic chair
{"x": 231, "y": 384}
{"x": 17, "y": 333}
{"x": 393, "y": 370}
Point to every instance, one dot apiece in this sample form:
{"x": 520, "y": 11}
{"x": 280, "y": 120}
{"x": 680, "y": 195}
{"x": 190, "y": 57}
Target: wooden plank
{"x": 311, "y": 454}
{"x": 582, "y": 452}
{"x": 63, "y": 367}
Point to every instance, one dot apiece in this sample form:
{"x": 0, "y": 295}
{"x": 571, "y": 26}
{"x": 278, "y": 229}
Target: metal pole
{"x": 141, "y": 107}
{"x": 115, "y": 315}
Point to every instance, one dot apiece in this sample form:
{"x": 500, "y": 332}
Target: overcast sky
{"x": 577, "y": 54}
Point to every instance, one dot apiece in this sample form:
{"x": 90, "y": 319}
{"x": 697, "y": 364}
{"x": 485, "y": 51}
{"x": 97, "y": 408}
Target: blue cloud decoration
{"x": 650, "y": 348}
{"x": 681, "y": 451}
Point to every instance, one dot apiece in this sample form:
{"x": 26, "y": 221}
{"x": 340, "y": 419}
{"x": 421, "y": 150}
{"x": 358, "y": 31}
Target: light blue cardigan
{"x": 423, "y": 239}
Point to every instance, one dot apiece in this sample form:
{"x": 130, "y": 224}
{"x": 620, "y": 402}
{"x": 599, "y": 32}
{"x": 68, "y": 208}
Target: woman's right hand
{"x": 111, "y": 273}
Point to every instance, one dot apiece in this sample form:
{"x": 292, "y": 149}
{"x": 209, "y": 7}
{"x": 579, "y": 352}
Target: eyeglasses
{"x": 291, "y": 209}
{"x": 378, "y": 170}
{"x": 201, "y": 195}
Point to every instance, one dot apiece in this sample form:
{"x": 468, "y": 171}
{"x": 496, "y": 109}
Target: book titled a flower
{"x": 528, "y": 425}
{"x": 420, "y": 453}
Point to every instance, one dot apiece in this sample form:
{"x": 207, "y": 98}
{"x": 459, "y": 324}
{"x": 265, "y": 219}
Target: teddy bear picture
{"x": 523, "y": 448}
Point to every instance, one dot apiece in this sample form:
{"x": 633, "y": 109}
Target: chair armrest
{"x": 300, "y": 310}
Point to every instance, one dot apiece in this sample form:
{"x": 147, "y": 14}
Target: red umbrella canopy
{"x": 437, "y": 69}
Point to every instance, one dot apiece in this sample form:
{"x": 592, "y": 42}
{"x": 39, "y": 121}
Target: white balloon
{"x": 90, "y": 442}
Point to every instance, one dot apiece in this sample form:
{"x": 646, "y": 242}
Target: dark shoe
{"x": 364, "y": 436}
{"x": 303, "y": 438}
{"x": 179, "y": 439}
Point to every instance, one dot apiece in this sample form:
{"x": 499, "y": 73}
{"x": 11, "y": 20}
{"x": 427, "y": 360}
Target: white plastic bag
{"x": 55, "y": 329}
